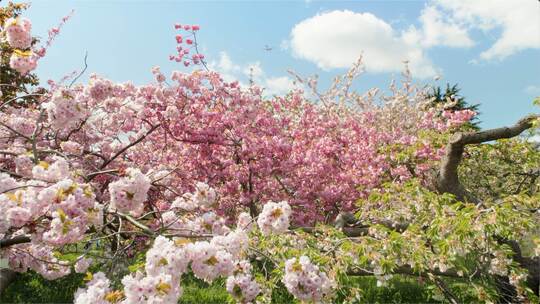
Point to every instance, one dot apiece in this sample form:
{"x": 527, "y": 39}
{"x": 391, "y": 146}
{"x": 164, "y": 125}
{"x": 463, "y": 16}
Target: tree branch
{"x": 408, "y": 270}
{"x": 448, "y": 179}
{"x": 136, "y": 223}
{"x": 19, "y": 239}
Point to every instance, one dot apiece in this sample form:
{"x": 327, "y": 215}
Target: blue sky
{"x": 491, "y": 48}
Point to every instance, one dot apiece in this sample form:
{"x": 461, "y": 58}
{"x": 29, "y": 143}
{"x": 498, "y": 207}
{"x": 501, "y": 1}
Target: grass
{"x": 197, "y": 291}
{"x": 32, "y": 288}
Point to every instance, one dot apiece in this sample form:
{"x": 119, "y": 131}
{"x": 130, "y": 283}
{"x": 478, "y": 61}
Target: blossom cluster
{"x": 97, "y": 291}
{"x": 209, "y": 261}
{"x": 305, "y": 281}
{"x": 457, "y": 118}
{"x": 168, "y": 259}
{"x": 82, "y": 264}
{"x": 18, "y": 32}
{"x": 150, "y": 289}
{"x": 54, "y": 210}
{"x": 19, "y": 37}
{"x": 23, "y": 61}
{"x": 70, "y": 205}
{"x": 241, "y": 285}
{"x": 274, "y": 217}
{"x": 73, "y": 210}
{"x": 64, "y": 111}
{"x": 54, "y": 172}
{"x": 39, "y": 258}
{"x": 199, "y": 201}
{"x": 129, "y": 193}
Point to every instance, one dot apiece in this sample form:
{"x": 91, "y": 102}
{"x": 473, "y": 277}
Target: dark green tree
{"x": 12, "y": 83}
{"x": 451, "y": 95}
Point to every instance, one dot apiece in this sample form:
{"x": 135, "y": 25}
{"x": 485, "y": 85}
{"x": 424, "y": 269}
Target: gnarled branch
{"x": 448, "y": 179}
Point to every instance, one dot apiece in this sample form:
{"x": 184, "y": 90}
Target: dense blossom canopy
{"x": 184, "y": 167}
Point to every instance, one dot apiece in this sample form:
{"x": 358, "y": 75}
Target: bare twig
{"x": 82, "y": 72}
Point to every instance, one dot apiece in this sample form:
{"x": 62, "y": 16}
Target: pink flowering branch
{"x": 13, "y": 174}
{"x": 15, "y": 131}
{"x": 53, "y": 33}
{"x": 184, "y": 45}
{"x": 21, "y": 187}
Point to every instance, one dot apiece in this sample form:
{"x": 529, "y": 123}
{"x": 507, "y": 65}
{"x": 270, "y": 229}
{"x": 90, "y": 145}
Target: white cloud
{"x": 279, "y": 85}
{"x": 225, "y": 63}
{"x": 231, "y": 71}
{"x": 254, "y": 70}
{"x": 436, "y": 30}
{"x": 226, "y": 67}
{"x": 516, "y": 23}
{"x": 533, "y": 90}
{"x": 336, "y": 39}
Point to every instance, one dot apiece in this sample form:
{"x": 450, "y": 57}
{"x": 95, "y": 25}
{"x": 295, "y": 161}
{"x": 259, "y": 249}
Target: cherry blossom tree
{"x": 193, "y": 174}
